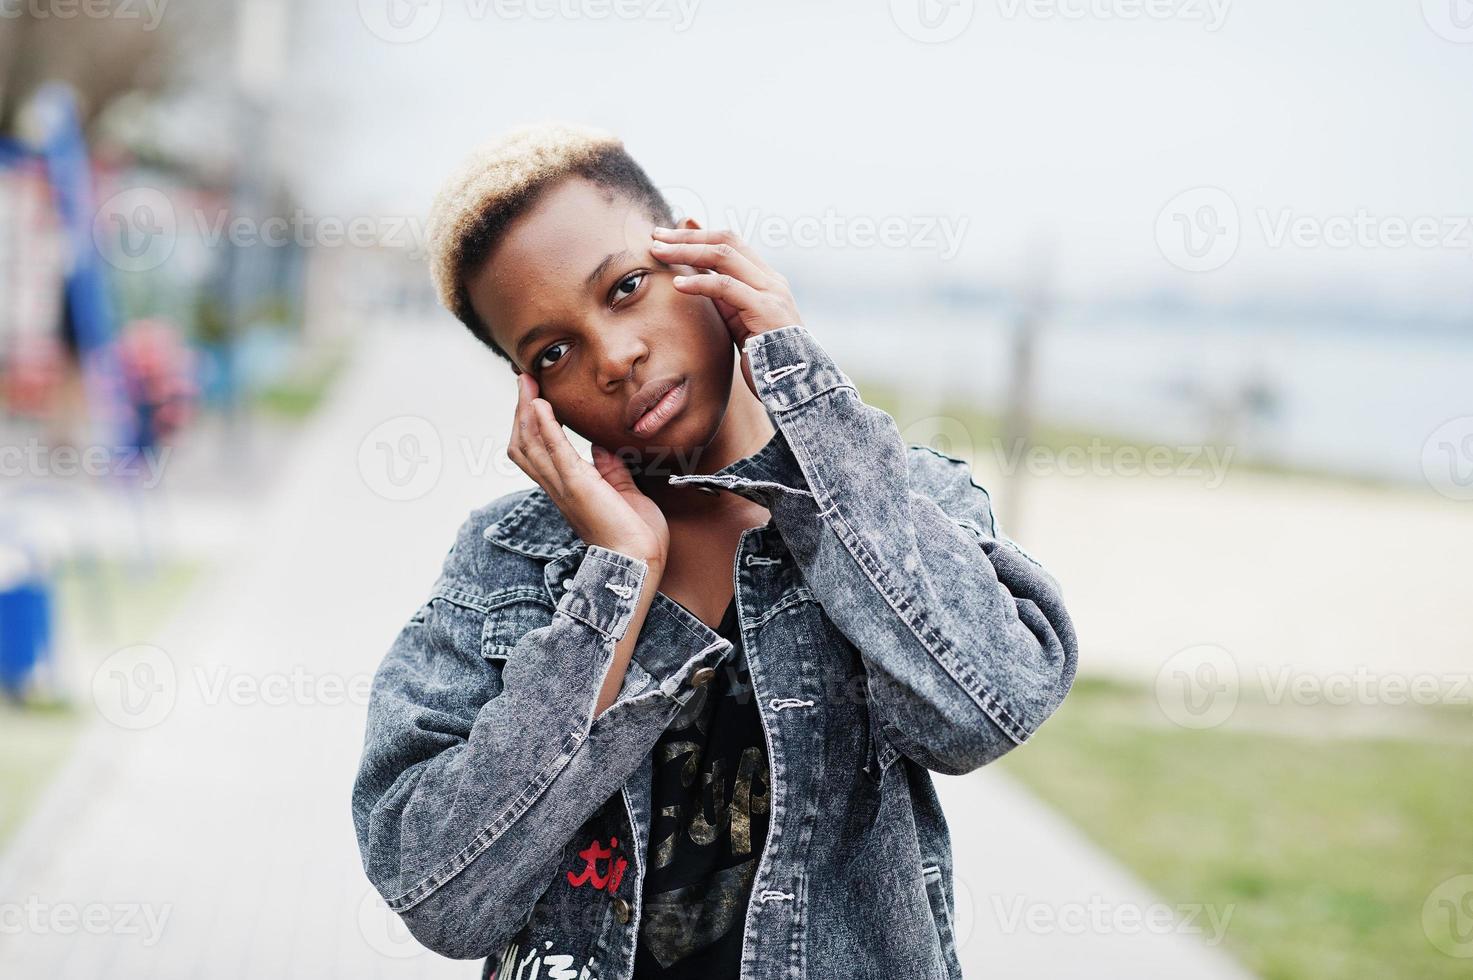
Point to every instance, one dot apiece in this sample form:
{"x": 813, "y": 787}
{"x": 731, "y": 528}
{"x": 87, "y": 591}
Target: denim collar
{"x": 536, "y": 528}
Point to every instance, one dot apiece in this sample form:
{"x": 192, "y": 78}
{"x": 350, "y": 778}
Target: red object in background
{"x": 158, "y": 374}
{"x": 33, "y": 374}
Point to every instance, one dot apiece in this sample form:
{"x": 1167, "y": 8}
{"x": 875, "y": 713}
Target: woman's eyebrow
{"x": 603, "y": 266}
{"x": 610, "y": 259}
{"x": 532, "y": 335}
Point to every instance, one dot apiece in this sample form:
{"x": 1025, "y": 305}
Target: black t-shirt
{"x": 709, "y": 816}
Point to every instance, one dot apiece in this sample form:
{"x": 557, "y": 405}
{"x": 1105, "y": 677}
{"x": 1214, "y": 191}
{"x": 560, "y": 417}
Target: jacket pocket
{"x": 508, "y": 619}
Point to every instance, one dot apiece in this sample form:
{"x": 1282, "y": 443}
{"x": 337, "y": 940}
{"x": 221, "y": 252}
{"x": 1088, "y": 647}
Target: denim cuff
{"x": 790, "y": 367}
{"x": 672, "y": 648}
{"x": 605, "y": 590}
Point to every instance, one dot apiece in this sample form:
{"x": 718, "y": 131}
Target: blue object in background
{"x": 25, "y": 631}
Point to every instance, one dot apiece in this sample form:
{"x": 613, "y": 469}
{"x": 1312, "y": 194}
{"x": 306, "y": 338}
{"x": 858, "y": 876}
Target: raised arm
{"x": 965, "y": 638}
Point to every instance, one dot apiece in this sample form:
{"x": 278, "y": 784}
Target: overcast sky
{"x": 1075, "y": 121}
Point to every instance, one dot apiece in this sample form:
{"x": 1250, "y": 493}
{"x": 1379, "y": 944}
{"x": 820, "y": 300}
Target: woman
{"x": 671, "y": 713}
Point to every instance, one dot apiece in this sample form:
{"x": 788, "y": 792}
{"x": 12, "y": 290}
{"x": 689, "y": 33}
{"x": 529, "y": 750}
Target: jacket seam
{"x": 606, "y": 634}
{"x": 792, "y": 597}
{"x": 484, "y": 603}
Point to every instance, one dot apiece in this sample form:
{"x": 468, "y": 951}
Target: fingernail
{"x": 680, "y": 280}
{"x": 661, "y": 231}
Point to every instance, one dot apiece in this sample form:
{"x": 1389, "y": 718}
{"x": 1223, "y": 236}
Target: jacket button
{"x": 621, "y": 910}
{"x": 567, "y": 583}
{"x": 702, "y": 676}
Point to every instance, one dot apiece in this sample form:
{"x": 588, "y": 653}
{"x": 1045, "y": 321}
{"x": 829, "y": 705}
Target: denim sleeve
{"x": 474, "y": 775}
{"x": 965, "y": 638}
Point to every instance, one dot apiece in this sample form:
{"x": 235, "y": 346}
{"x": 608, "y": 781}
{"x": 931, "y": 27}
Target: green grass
{"x": 35, "y": 742}
{"x": 1327, "y": 849}
{"x": 298, "y": 396}
{"x": 111, "y": 604}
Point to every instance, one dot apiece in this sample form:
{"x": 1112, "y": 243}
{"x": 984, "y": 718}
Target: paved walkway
{"x": 203, "y": 829}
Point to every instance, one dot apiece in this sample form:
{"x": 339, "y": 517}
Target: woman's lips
{"x": 662, "y": 411}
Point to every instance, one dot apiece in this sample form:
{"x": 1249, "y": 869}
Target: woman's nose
{"x": 617, "y": 359}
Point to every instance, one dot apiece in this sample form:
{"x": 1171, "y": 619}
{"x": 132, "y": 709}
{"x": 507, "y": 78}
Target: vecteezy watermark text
{"x": 1099, "y": 458}
{"x": 1200, "y": 230}
{"x": 150, "y": 12}
{"x": 138, "y": 229}
{"x": 1099, "y": 916}
{"x": 942, "y": 234}
{"x": 407, "y": 21}
{"x": 1200, "y": 687}
{"x": 1210, "y": 13}
{"x": 41, "y": 918}
{"x": 36, "y": 459}
{"x": 138, "y": 687}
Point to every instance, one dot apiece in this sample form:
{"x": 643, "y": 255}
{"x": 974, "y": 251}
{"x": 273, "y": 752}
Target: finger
{"x": 713, "y": 236}
{"x": 534, "y": 445}
{"x": 520, "y": 418}
{"x": 722, "y": 288}
{"x": 720, "y": 257}
{"x": 613, "y": 470}
{"x": 524, "y": 464}
{"x": 727, "y": 311}
{"x": 516, "y": 442}
{"x": 570, "y": 466}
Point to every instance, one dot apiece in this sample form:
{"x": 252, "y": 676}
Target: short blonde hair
{"x": 500, "y": 180}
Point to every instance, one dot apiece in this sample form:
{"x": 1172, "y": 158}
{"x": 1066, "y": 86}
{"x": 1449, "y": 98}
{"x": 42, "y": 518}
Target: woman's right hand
{"x": 600, "y": 500}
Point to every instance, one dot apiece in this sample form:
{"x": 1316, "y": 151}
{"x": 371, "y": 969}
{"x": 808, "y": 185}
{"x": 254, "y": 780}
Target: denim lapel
{"x": 535, "y": 528}
{"x": 770, "y": 471}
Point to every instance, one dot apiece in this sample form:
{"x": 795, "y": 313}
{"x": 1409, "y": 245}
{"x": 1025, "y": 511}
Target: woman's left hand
{"x": 751, "y": 296}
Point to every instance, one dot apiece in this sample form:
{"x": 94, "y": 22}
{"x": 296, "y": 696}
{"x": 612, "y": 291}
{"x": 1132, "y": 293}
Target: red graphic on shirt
{"x": 592, "y": 855}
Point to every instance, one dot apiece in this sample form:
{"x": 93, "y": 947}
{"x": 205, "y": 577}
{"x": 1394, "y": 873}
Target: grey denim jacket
{"x": 889, "y": 629}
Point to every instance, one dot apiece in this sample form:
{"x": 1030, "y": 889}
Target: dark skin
{"x": 592, "y": 300}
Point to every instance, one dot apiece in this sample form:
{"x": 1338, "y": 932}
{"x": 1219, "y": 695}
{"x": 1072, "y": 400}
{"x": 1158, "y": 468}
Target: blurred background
{"x": 1189, "y": 282}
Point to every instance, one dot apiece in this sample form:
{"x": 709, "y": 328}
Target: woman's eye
{"x": 539, "y": 362}
{"x": 629, "y": 285}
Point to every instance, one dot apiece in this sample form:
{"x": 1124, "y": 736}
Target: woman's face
{"x": 573, "y": 294}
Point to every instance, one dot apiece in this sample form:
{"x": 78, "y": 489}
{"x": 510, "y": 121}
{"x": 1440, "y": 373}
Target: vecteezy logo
{"x": 385, "y": 933}
{"x": 401, "y": 459}
{"x": 965, "y": 919}
{"x": 1199, "y": 229}
{"x": 1198, "y": 687}
{"x": 1447, "y": 917}
{"x": 1451, "y": 20}
{"x": 135, "y": 687}
{"x": 686, "y": 203}
{"x": 941, "y": 434}
{"x": 136, "y": 230}
{"x": 1447, "y": 458}
{"x": 400, "y": 21}
{"x": 932, "y": 21}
